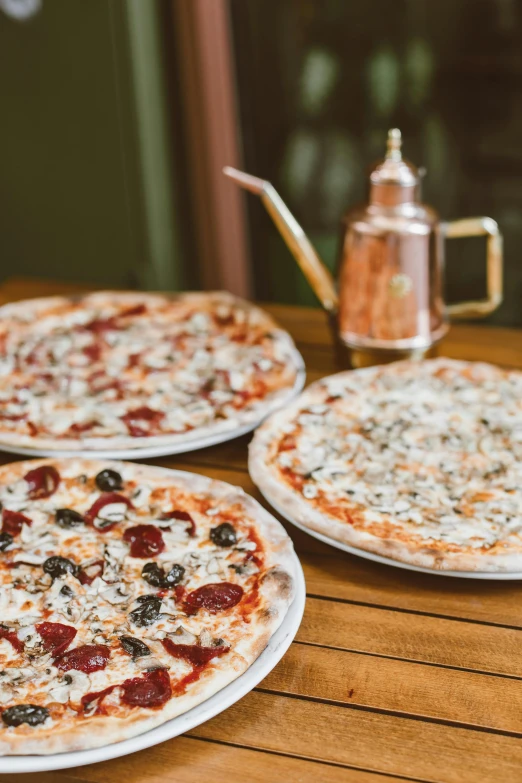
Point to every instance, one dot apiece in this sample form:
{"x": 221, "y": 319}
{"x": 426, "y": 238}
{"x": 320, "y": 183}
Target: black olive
{"x": 153, "y": 574}
{"x": 57, "y": 566}
{"x": 66, "y": 590}
{"x": 134, "y": 647}
{"x": 6, "y": 539}
{"x": 24, "y": 713}
{"x": 68, "y": 679}
{"x": 223, "y": 535}
{"x": 142, "y": 599}
{"x": 109, "y": 480}
{"x": 147, "y": 613}
{"x": 66, "y": 517}
{"x": 156, "y": 576}
{"x": 174, "y": 576}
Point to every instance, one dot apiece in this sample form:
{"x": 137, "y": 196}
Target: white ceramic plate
{"x": 271, "y": 655}
{"x": 502, "y": 576}
{"x": 165, "y": 449}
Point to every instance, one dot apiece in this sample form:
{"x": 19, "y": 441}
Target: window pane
{"x": 322, "y": 81}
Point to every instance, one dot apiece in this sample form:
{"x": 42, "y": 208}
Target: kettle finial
{"x": 393, "y": 146}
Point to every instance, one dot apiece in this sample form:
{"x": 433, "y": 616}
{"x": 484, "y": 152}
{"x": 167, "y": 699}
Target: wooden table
{"x": 393, "y": 675}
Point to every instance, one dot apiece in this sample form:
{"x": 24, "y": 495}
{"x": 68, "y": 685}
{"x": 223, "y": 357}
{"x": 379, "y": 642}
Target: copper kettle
{"x": 389, "y": 302}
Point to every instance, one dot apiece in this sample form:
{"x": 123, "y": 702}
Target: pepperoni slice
{"x": 42, "y": 481}
{"x": 93, "y": 351}
{"x": 134, "y": 418}
{"x": 82, "y": 427}
{"x": 184, "y": 516}
{"x": 88, "y": 574}
{"x": 12, "y": 521}
{"x": 139, "y": 309}
{"x": 33, "y": 429}
{"x": 145, "y": 540}
{"x": 100, "y": 382}
{"x": 11, "y": 637}
{"x": 134, "y": 360}
{"x": 104, "y": 500}
{"x": 214, "y": 597}
{"x": 87, "y": 658}
{"x": 151, "y": 690}
{"x": 13, "y": 417}
{"x": 56, "y": 636}
{"x": 100, "y": 325}
{"x": 193, "y": 653}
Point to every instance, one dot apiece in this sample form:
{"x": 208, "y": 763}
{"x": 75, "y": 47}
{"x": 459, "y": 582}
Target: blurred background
{"x": 118, "y": 115}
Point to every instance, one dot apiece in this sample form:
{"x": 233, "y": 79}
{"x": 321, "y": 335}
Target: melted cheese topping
{"x": 108, "y": 366}
{"x": 431, "y": 449}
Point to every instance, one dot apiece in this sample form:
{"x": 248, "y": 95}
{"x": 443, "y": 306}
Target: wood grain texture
{"x": 394, "y": 675}
{"x": 369, "y": 740}
{"x": 401, "y": 687}
{"x": 455, "y": 643}
{"x": 190, "y": 760}
{"x": 334, "y": 574}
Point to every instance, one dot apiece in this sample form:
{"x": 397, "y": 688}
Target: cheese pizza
{"x": 418, "y": 462}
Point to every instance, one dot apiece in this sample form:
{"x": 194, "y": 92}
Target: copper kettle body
{"x": 389, "y": 300}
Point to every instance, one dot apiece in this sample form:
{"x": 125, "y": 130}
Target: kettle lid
{"x": 393, "y": 170}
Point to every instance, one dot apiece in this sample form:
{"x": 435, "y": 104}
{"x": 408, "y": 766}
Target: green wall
{"x": 86, "y": 179}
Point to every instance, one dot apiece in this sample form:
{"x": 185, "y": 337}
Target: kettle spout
{"x": 299, "y": 245}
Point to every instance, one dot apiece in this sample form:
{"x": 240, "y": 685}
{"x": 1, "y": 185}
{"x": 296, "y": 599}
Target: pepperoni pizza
{"x": 129, "y": 594}
{"x": 119, "y": 371}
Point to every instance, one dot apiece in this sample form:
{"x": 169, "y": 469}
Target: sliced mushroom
{"x": 60, "y": 694}
{"x": 113, "y": 512}
{"x": 205, "y": 638}
{"x": 214, "y": 566}
{"x": 182, "y": 636}
{"x": 148, "y": 664}
{"x": 28, "y": 558}
{"x": 115, "y": 595}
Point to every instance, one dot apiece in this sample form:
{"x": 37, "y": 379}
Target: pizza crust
{"x": 243, "y": 421}
{"x": 277, "y": 591}
{"x": 288, "y": 501}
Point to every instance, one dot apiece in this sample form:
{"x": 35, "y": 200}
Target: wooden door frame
{"x": 212, "y": 140}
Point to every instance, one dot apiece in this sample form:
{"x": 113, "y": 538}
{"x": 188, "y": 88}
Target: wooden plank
{"x": 484, "y": 344}
{"x": 60, "y": 776}
{"x": 398, "y": 686}
{"x": 189, "y": 760}
{"x": 16, "y": 288}
{"x": 232, "y": 454}
{"x": 462, "y": 645}
{"x": 368, "y": 740}
{"x": 309, "y": 324}
{"x": 339, "y": 575}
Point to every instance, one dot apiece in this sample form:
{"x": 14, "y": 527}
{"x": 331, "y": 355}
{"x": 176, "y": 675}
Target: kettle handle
{"x": 472, "y": 227}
